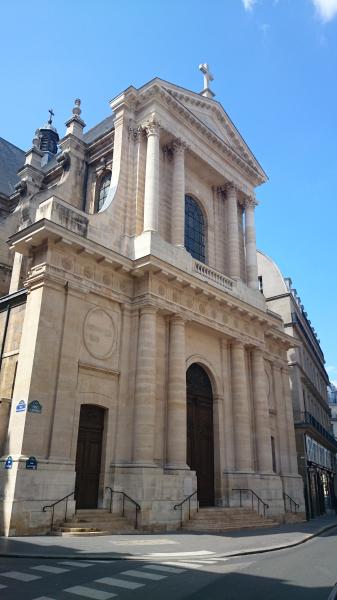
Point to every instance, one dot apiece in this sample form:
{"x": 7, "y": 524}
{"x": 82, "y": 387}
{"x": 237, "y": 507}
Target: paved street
{"x": 307, "y": 571}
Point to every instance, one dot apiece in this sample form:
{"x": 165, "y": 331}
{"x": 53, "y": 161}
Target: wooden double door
{"x": 88, "y": 456}
{"x": 200, "y": 437}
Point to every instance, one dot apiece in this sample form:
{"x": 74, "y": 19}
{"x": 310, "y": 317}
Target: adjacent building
{"x": 139, "y": 353}
{"x": 332, "y": 399}
{"x": 315, "y": 441}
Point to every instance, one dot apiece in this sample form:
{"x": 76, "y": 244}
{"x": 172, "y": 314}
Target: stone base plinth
{"x": 156, "y": 491}
{"x": 26, "y": 492}
{"x": 268, "y": 486}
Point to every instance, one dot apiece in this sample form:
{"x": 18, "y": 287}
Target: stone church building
{"x": 137, "y": 351}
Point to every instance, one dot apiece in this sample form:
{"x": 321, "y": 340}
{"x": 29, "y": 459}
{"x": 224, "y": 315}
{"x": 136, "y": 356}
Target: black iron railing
{"x": 52, "y": 507}
{"x": 125, "y": 497}
{"x": 180, "y": 505}
{"x": 254, "y": 497}
{"x": 308, "y": 418}
{"x": 291, "y": 502}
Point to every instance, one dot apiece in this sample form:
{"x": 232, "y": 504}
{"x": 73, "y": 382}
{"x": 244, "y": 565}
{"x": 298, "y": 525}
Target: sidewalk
{"x": 163, "y": 545}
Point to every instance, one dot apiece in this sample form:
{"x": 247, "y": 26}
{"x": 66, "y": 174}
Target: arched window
{"x": 103, "y": 184}
{"x": 194, "y": 229}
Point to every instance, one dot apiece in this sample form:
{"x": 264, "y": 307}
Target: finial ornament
{"x": 207, "y": 92}
{"x": 36, "y": 139}
{"x": 52, "y": 114}
{"x": 77, "y": 110}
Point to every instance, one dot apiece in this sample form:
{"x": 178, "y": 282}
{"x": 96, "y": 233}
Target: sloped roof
{"x": 12, "y": 159}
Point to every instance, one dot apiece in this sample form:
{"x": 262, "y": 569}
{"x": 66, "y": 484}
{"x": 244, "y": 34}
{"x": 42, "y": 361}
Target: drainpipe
{"x": 4, "y": 335}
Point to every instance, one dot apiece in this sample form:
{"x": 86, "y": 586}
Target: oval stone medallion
{"x": 99, "y": 333}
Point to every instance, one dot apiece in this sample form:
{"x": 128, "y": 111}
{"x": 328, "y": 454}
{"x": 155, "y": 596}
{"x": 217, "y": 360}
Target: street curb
{"x": 307, "y": 537}
{"x": 141, "y": 557}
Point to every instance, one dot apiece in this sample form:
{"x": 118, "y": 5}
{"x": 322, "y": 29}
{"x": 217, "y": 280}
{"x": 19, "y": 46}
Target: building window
{"x": 194, "y": 229}
{"x": 260, "y": 283}
{"x": 102, "y": 188}
{"x": 273, "y": 455}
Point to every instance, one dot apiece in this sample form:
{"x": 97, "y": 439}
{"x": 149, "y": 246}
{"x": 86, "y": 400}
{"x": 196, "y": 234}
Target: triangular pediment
{"x": 212, "y": 115}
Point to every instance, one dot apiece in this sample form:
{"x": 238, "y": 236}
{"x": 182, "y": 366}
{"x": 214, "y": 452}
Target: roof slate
{"x": 12, "y": 159}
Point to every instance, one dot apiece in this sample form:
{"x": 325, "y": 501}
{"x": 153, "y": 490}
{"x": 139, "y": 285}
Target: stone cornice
{"x": 170, "y": 101}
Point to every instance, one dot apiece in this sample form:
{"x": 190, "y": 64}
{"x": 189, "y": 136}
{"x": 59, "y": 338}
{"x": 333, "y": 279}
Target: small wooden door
{"x": 200, "y": 443}
{"x": 88, "y": 456}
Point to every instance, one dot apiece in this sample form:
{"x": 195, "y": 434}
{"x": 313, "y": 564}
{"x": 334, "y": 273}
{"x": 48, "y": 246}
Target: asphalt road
{"x": 308, "y": 571}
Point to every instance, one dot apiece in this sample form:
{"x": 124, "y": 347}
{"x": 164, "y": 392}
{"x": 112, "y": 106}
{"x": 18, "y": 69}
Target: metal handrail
{"x": 254, "y": 494}
{"x": 180, "y": 504}
{"x": 292, "y": 502}
{"x": 52, "y": 506}
{"x": 125, "y": 496}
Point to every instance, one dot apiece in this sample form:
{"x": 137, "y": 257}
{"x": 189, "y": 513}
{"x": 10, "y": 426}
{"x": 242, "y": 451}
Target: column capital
{"x": 238, "y": 344}
{"x": 250, "y": 202}
{"x": 152, "y": 126}
{"x": 177, "y": 319}
{"x": 178, "y": 146}
{"x": 230, "y": 188}
{"x": 148, "y": 310}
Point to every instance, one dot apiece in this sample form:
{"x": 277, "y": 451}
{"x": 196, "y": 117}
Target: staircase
{"x": 91, "y": 522}
{"x": 216, "y": 519}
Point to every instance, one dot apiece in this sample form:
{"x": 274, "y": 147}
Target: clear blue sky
{"x": 275, "y": 69}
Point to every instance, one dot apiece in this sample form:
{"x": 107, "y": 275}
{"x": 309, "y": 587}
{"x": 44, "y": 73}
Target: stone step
{"x": 218, "y": 527}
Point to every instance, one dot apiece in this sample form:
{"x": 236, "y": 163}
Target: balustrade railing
{"x": 212, "y": 275}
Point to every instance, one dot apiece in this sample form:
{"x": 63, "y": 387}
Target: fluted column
{"x": 145, "y": 388}
{"x": 151, "y": 195}
{"x": 176, "y": 403}
{"x": 289, "y": 415}
{"x": 261, "y": 412}
{"x": 250, "y": 242}
{"x": 241, "y": 410}
{"x": 233, "y": 232}
{"x": 281, "y": 420}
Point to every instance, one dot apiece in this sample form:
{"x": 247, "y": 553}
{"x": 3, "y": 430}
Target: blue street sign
{"x": 21, "y": 406}
{"x": 34, "y": 407}
{"x": 9, "y": 463}
{"x": 31, "y": 463}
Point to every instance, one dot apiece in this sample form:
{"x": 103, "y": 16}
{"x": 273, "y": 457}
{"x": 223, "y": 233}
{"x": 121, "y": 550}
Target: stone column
{"x": 281, "y": 420}
{"x": 241, "y": 410}
{"x": 178, "y": 195}
{"x": 261, "y": 413}
{"x": 289, "y": 415}
{"x": 145, "y": 388}
{"x": 228, "y": 408}
{"x": 176, "y": 403}
{"x": 151, "y": 196}
{"x": 250, "y": 242}
{"x": 233, "y": 232}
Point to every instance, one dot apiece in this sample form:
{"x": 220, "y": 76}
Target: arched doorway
{"x": 88, "y": 455}
{"x": 200, "y": 439}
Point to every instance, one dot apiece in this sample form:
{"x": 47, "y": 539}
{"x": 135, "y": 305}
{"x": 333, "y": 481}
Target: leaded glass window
{"x": 103, "y": 188}
{"x": 194, "y": 229}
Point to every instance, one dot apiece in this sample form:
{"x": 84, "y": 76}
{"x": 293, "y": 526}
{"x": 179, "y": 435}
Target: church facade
{"x": 139, "y": 354}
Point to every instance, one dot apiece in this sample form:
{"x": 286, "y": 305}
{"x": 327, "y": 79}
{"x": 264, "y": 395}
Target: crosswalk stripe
{"x": 50, "y": 569}
{"x": 182, "y": 554}
{"x": 76, "y": 563}
{"x": 142, "y": 575}
{"x": 84, "y": 592}
{"x": 164, "y": 569}
{"x": 20, "y": 576}
{"x": 187, "y": 565}
{"x": 130, "y": 585}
